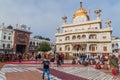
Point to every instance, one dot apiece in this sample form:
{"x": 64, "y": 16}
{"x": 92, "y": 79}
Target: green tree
{"x": 40, "y": 37}
{"x": 47, "y": 39}
{"x": 44, "y": 46}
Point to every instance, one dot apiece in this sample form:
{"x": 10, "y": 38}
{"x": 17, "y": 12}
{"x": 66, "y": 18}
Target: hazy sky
{"x": 44, "y": 15}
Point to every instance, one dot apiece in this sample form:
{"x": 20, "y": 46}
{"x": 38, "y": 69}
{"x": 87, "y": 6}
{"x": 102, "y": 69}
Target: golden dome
{"x": 80, "y": 12}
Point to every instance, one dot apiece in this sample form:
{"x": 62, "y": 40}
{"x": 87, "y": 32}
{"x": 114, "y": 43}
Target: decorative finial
{"x": 97, "y": 12}
{"x": 28, "y": 28}
{"x": 108, "y": 23}
{"x": 58, "y": 29}
{"x": 64, "y": 18}
{"x": 80, "y": 3}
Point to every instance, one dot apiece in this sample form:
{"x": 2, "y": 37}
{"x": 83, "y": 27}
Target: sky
{"x": 43, "y": 16}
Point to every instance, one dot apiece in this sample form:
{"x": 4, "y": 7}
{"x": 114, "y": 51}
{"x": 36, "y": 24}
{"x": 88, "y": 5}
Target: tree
{"x": 47, "y": 39}
{"x": 40, "y": 37}
{"x": 44, "y": 46}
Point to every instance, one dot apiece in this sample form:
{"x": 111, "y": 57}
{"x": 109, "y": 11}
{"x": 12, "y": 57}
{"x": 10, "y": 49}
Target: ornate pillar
{"x": 99, "y": 49}
{"x": 87, "y": 48}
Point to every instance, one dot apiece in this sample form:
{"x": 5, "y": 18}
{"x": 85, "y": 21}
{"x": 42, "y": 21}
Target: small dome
{"x": 80, "y": 12}
{"x": 10, "y": 27}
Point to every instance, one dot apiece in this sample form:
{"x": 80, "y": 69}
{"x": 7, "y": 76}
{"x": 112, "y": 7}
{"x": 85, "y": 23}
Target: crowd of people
{"x": 107, "y": 62}
{"x": 16, "y": 57}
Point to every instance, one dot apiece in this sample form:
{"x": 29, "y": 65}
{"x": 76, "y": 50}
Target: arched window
{"x": 74, "y": 37}
{"x": 117, "y": 44}
{"x": 78, "y": 37}
{"x": 30, "y": 43}
{"x": 83, "y": 36}
{"x": 93, "y": 47}
{"x": 93, "y": 36}
{"x": 37, "y": 43}
{"x": 60, "y": 49}
{"x": 104, "y": 37}
{"x": 104, "y": 48}
{"x": 67, "y": 48}
{"x": 33, "y": 43}
{"x": 67, "y": 38}
{"x": 96, "y": 28}
{"x": 113, "y": 45}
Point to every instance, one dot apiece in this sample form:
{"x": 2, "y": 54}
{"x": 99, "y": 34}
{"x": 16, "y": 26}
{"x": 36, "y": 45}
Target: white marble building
{"x": 84, "y": 35}
{"x": 6, "y": 37}
{"x": 116, "y": 45}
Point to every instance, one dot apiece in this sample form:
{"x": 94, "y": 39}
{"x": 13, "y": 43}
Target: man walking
{"x": 46, "y": 63}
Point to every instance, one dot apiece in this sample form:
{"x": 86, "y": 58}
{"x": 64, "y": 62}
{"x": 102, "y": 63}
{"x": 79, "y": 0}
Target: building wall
{"x": 6, "y": 38}
{"x": 116, "y": 46}
{"x": 9, "y": 37}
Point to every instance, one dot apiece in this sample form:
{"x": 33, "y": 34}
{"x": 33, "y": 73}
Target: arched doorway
{"x": 20, "y": 48}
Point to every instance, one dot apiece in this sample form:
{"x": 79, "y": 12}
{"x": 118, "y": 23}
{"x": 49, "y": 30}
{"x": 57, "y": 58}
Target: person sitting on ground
{"x": 73, "y": 61}
{"x": 105, "y": 66}
{"x": 98, "y": 66}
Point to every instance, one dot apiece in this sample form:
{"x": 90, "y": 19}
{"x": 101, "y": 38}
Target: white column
{"x": 87, "y": 49}
{"x": 109, "y": 48}
{"x": 99, "y": 49}
{"x": 87, "y": 36}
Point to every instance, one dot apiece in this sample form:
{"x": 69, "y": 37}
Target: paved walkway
{"x": 63, "y": 75}
{"x": 87, "y": 72}
{"x": 26, "y": 75}
{"x": 31, "y": 72}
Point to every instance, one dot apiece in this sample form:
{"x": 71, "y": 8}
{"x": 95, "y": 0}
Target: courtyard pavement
{"x": 32, "y": 71}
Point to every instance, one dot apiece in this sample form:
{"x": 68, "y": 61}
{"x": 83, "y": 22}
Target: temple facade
{"x": 84, "y": 35}
{"x": 14, "y": 40}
